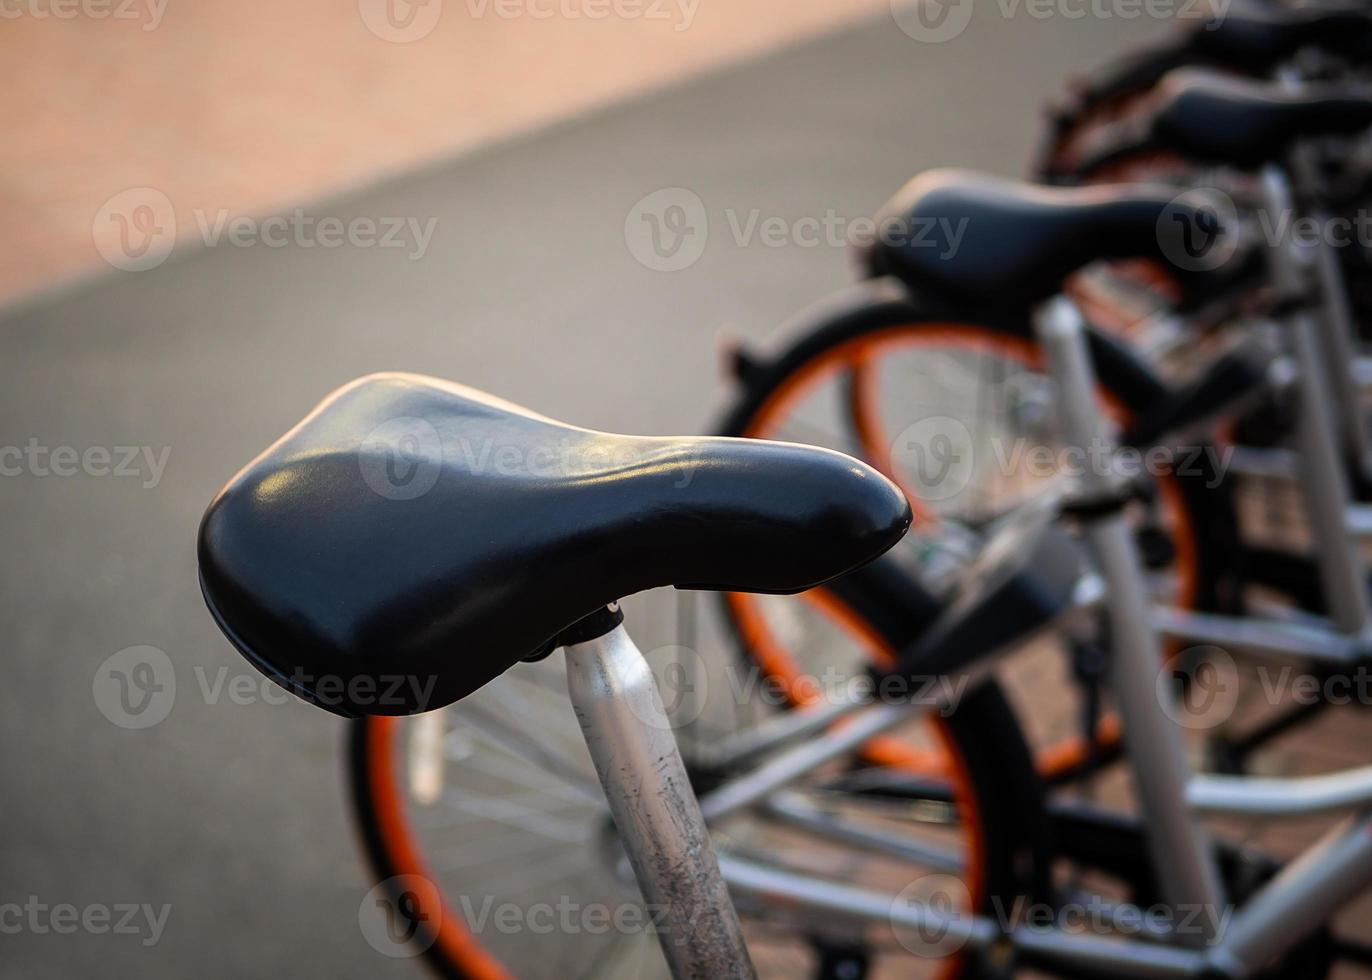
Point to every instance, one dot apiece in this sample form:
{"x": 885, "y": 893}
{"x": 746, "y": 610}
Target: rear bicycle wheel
{"x": 874, "y": 374}
{"x": 474, "y": 852}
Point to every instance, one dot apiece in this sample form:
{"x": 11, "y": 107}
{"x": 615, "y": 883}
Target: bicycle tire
{"x": 826, "y": 340}
{"x": 997, "y": 791}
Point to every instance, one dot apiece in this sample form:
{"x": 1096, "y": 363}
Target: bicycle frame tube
{"x": 1338, "y": 328}
{"x": 1303, "y": 896}
{"x": 1342, "y": 571}
{"x": 1256, "y": 796}
{"x": 635, "y": 754}
{"x": 1287, "y": 909}
{"x": 1180, "y": 847}
{"x": 1338, "y": 333}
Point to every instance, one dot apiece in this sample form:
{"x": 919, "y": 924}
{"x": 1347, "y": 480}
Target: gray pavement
{"x": 234, "y": 814}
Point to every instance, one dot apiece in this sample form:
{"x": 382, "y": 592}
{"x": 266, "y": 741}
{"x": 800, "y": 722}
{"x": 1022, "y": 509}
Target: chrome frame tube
{"x": 846, "y": 735}
{"x": 1296, "y": 796}
{"x": 1180, "y": 847}
{"x": 739, "y": 794}
{"x": 1289, "y": 907}
{"x": 796, "y": 811}
{"x": 1260, "y": 637}
{"x": 941, "y": 933}
{"x": 821, "y": 901}
{"x": 1342, "y": 571}
{"x": 769, "y": 736}
{"x": 1338, "y": 335}
{"x": 1338, "y": 331}
{"x": 1301, "y": 898}
{"x": 631, "y": 742}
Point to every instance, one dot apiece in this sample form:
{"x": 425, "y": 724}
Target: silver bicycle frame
{"x": 1321, "y": 350}
{"x": 1309, "y": 890}
{"x": 1343, "y": 573}
{"x": 1180, "y": 847}
{"x": 1339, "y": 331}
{"x": 620, "y": 711}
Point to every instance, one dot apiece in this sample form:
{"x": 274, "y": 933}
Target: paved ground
{"x": 234, "y": 813}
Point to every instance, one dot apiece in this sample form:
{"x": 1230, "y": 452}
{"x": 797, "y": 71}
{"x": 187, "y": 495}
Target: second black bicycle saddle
{"x": 1258, "y": 36}
{"x": 1225, "y": 119}
{"x": 411, "y": 539}
{"x": 976, "y": 240}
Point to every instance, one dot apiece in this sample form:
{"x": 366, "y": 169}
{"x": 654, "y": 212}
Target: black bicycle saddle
{"x": 1225, "y": 119}
{"x": 411, "y": 539}
{"x": 972, "y": 239}
{"x": 1256, "y": 37}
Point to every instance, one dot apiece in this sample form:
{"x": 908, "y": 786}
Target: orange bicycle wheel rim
{"x": 454, "y": 940}
{"x": 461, "y": 948}
{"x": 858, "y": 358}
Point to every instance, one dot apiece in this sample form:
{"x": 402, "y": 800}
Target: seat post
{"x": 1187, "y": 872}
{"x": 635, "y": 753}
